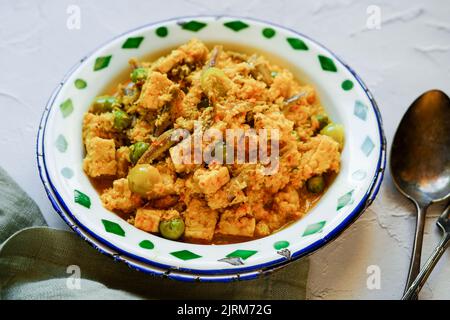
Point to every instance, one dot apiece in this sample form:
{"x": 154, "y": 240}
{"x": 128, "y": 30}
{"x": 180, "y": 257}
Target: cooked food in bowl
{"x": 210, "y": 146}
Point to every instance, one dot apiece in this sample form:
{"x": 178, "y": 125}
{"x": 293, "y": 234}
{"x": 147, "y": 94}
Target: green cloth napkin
{"x": 38, "y": 262}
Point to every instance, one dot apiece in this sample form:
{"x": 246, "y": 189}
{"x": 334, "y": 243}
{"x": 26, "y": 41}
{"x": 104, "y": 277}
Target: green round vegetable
{"x": 214, "y": 82}
{"x": 104, "y": 104}
{"x": 172, "y": 229}
{"x": 322, "y": 120}
{"x": 315, "y": 184}
{"x": 142, "y": 178}
{"x": 121, "y": 120}
{"x": 137, "y": 150}
{"x": 335, "y": 131}
{"x": 139, "y": 75}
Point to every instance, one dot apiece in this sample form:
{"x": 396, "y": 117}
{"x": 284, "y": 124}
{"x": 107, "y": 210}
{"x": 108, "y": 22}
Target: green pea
{"x": 315, "y": 184}
{"x": 137, "y": 150}
{"x": 172, "y": 229}
{"x": 142, "y": 178}
{"x": 322, "y": 120}
{"x": 139, "y": 75}
{"x": 121, "y": 120}
{"x": 335, "y": 131}
{"x": 104, "y": 104}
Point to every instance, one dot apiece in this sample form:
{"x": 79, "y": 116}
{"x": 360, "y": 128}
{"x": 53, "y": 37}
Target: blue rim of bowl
{"x": 264, "y": 267}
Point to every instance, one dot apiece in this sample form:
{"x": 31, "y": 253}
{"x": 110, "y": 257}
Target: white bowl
{"x": 343, "y": 94}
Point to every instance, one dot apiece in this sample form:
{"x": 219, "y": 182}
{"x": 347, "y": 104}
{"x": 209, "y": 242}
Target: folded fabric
{"x": 37, "y": 262}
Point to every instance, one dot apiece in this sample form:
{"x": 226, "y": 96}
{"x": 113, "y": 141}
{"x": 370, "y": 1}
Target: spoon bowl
{"x": 420, "y": 153}
{"x": 420, "y": 160}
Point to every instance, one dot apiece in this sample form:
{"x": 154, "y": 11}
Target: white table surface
{"x": 409, "y": 54}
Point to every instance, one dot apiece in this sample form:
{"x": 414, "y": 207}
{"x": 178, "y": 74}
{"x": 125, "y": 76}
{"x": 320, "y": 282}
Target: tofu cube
{"x": 155, "y": 92}
{"x": 119, "y": 197}
{"x": 181, "y": 155}
{"x": 238, "y": 222}
{"x": 200, "y": 221}
{"x": 148, "y": 219}
{"x": 211, "y": 180}
{"x": 100, "y": 157}
{"x": 321, "y": 155}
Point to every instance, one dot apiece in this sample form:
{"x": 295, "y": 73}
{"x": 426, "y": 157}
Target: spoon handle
{"x": 414, "y": 266}
{"x": 428, "y": 267}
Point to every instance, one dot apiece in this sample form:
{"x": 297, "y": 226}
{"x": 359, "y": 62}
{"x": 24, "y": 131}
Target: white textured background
{"x": 408, "y": 55}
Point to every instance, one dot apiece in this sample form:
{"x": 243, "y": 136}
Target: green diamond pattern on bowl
{"x": 281, "y": 244}
{"x": 327, "y": 64}
{"x": 243, "y": 254}
{"x": 344, "y": 200}
{"x": 193, "y": 25}
{"x": 162, "y": 32}
{"x": 146, "y": 244}
{"x": 66, "y": 108}
{"x": 82, "y": 199}
{"x": 360, "y": 110}
{"x": 268, "y": 33}
{"x": 236, "y": 25}
{"x": 80, "y": 84}
{"x": 185, "y": 255}
{"x": 102, "y": 62}
{"x": 132, "y": 43}
{"x": 113, "y": 227}
{"x": 314, "y": 228}
{"x": 347, "y": 85}
{"x": 367, "y": 146}
{"x": 297, "y": 44}
{"x": 67, "y": 172}
{"x": 61, "y": 143}
{"x": 359, "y": 175}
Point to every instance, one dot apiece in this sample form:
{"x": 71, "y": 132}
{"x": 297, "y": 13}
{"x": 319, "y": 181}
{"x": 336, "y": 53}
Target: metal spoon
{"x": 420, "y": 160}
{"x": 443, "y": 223}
